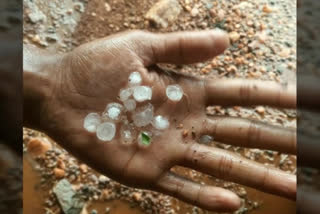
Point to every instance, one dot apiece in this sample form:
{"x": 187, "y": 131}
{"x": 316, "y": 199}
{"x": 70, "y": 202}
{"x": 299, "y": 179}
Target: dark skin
{"x": 60, "y": 90}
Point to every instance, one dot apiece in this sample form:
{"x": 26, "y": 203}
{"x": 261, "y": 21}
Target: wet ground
{"x": 263, "y": 47}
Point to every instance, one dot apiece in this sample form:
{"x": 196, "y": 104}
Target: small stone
{"x": 61, "y": 164}
{"x": 52, "y": 38}
{"x": 221, "y": 15}
{"x": 103, "y": 179}
{"x": 137, "y": 196}
{"x": 234, "y": 36}
{"x": 260, "y": 110}
{"x": 36, "y": 39}
{"x": 185, "y": 133}
{"x": 107, "y": 7}
{"x": 59, "y": 173}
{"x": 180, "y": 126}
{"x": 232, "y": 69}
{"x": 164, "y": 12}
{"x": 106, "y": 131}
{"x": 267, "y": 9}
{"x": 69, "y": 200}
{"x": 113, "y": 111}
{"x": 160, "y": 122}
{"x": 174, "y": 92}
{"x": 143, "y": 115}
{"x": 83, "y": 168}
{"x": 125, "y": 94}
{"x": 94, "y": 212}
{"x": 79, "y": 7}
{"x": 285, "y": 53}
{"x": 37, "y": 146}
{"x": 105, "y": 195}
{"x": 107, "y": 210}
{"x": 91, "y": 122}
{"x": 194, "y": 12}
{"x": 135, "y": 79}
{"x": 36, "y": 17}
{"x": 130, "y": 104}
{"x": 142, "y": 93}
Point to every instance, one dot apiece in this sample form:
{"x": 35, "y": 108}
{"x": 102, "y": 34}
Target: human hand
{"x": 88, "y": 78}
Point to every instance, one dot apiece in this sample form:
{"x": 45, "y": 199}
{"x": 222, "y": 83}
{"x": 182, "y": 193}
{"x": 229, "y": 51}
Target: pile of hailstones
{"x": 105, "y": 125}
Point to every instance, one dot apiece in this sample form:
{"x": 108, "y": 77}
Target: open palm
{"x": 88, "y": 78}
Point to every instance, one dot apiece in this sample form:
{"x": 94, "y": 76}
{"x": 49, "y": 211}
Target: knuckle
{"x": 245, "y": 94}
{"x": 225, "y": 166}
{"x": 254, "y": 132}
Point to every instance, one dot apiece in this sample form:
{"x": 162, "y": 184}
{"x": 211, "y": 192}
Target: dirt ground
{"x": 263, "y": 47}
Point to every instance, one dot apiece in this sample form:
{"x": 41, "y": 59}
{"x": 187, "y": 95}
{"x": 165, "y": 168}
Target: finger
{"x": 229, "y": 166}
{"x": 308, "y": 151}
{"x": 204, "y": 196}
{"x": 182, "y": 47}
{"x": 249, "y": 92}
{"x": 250, "y": 133}
{"x": 308, "y": 201}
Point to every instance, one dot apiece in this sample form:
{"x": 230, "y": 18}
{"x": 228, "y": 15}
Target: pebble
{"x": 105, "y": 195}
{"x": 91, "y": 122}
{"x": 61, "y": 164}
{"x": 38, "y": 146}
{"x": 59, "y": 173}
{"x": 83, "y": 168}
{"x": 106, "y": 131}
{"x": 194, "y": 12}
{"x": 234, "y": 36}
{"x": 107, "y": 7}
{"x": 260, "y": 110}
{"x": 164, "y": 12}
{"x": 107, "y": 210}
{"x": 36, "y": 17}
{"x": 137, "y": 196}
{"x": 103, "y": 179}
{"x": 267, "y": 9}
{"x": 185, "y": 133}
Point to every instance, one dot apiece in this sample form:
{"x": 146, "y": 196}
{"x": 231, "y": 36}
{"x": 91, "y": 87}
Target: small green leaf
{"x": 145, "y": 138}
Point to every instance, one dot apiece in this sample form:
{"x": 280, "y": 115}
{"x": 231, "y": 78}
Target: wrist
{"x": 40, "y": 70}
